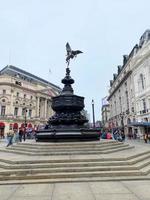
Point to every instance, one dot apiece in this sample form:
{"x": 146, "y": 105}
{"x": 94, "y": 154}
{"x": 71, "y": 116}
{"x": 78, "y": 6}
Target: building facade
{"x": 25, "y": 99}
{"x": 129, "y": 94}
{"x": 105, "y": 112}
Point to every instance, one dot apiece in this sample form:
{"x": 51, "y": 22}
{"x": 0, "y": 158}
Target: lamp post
{"x": 25, "y": 117}
{"x": 93, "y": 113}
{"x": 122, "y": 122}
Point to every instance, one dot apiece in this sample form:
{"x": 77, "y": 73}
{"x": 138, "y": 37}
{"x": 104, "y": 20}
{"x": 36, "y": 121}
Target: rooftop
{"x": 17, "y": 71}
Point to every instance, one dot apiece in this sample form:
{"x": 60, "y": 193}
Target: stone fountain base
{"x": 56, "y": 135}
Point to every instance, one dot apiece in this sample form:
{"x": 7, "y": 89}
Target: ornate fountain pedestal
{"x": 67, "y": 123}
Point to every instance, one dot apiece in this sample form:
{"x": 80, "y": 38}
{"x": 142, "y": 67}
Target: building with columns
{"x": 25, "y": 99}
{"x": 129, "y": 94}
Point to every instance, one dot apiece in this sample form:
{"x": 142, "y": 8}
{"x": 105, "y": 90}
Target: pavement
{"x": 123, "y": 190}
{"x": 112, "y": 190}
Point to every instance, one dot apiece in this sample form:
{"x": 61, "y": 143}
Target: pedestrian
{"x": 122, "y": 135}
{"x": 10, "y": 136}
{"x": 116, "y": 134}
{"x": 24, "y": 134}
{"x": 108, "y": 136}
{"x": 145, "y": 137}
{"x": 20, "y": 134}
{"x": 16, "y": 135}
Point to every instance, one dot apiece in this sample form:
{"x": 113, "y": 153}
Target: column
{"x": 11, "y": 103}
{"x": 45, "y": 109}
{"x": 37, "y": 106}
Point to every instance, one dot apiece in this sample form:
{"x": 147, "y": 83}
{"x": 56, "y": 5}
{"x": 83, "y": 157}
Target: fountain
{"x": 68, "y": 122}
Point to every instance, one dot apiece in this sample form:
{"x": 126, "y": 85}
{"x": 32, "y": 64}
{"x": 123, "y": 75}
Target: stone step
{"x": 81, "y": 167}
{"x": 71, "y": 167}
{"x": 23, "y": 152}
{"x": 69, "y": 180}
{"x": 45, "y": 150}
{"x": 8, "y": 164}
{"x": 65, "y": 144}
{"x": 68, "y": 146}
{"x": 80, "y": 163}
{"x": 60, "y": 146}
{"x": 24, "y": 176}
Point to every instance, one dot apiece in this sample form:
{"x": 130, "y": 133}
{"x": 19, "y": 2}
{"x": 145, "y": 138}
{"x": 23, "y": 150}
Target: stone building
{"x": 25, "y": 99}
{"x": 129, "y": 94}
{"x": 105, "y": 111}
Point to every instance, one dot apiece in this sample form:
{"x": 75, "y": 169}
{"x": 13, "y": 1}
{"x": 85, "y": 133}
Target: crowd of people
{"x": 117, "y": 134}
{"x": 19, "y": 135}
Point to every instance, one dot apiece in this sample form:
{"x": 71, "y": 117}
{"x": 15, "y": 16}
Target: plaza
{"x": 121, "y": 174}
{"x": 74, "y": 100}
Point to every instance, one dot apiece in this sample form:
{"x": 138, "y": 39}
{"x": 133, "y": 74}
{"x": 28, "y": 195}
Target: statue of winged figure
{"x": 71, "y": 53}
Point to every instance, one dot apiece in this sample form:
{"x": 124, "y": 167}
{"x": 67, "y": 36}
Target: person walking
{"x": 123, "y": 135}
{"x": 24, "y": 134}
{"x": 145, "y": 137}
{"x": 10, "y": 136}
{"x": 16, "y": 136}
{"x": 20, "y": 134}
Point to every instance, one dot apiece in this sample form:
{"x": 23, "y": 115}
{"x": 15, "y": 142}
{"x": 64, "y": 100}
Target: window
{"x": 120, "y": 104}
{"x": 144, "y": 104}
{"x": 127, "y": 99}
{"x": 16, "y": 111}
{"x": 30, "y": 113}
{"x": 4, "y": 91}
{"x": 31, "y": 97}
{"x": 141, "y": 84}
{"x": 17, "y": 94}
{"x": 25, "y": 95}
{"x": 18, "y": 83}
{"x": 3, "y": 110}
{"x": 3, "y": 100}
{"x": 142, "y": 80}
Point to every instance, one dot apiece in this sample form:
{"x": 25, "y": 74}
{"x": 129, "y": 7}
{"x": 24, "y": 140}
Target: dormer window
{"x": 18, "y": 83}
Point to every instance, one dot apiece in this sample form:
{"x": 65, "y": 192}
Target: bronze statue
{"x": 71, "y": 53}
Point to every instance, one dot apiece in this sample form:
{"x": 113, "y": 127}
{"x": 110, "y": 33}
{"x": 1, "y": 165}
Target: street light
{"x": 93, "y": 113}
{"x": 25, "y": 117}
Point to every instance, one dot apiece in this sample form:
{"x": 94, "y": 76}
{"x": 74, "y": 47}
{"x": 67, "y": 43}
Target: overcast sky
{"x": 33, "y": 34}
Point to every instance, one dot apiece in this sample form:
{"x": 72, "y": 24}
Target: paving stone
{"x": 116, "y": 197}
{"x": 34, "y": 190}
{"x": 108, "y": 188}
{"x": 72, "y": 191}
{"x": 7, "y": 191}
{"x": 140, "y": 188}
{"x": 30, "y": 198}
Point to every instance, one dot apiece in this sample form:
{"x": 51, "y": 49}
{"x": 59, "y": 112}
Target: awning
{"x": 147, "y": 124}
{"x": 2, "y": 125}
